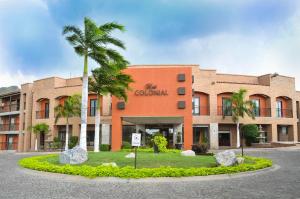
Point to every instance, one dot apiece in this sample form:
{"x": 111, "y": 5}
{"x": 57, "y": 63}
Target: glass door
{"x": 279, "y": 108}
{"x": 226, "y": 103}
{"x": 257, "y": 108}
{"x": 10, "y": 142}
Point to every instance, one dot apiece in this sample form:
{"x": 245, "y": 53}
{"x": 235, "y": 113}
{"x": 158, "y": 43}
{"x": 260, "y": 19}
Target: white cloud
{"x": 229, "y": 52}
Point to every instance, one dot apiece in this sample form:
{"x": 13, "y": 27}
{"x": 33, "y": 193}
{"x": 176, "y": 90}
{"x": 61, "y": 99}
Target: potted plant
{"x": 159, "y": 143}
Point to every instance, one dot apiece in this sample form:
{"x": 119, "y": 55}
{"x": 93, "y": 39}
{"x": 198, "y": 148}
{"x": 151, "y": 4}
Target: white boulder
{"x": 188, "y": 153}
{"x": 226, "y": 158}
{"x": 130, "y": 155}
{"x": 77, "y": 155}
{"x": 110, "y": 164}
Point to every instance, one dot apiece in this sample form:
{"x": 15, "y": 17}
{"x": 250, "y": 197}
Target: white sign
{"x": 136, "y": 139}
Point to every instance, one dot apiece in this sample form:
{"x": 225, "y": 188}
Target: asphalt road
{"x": 283, "y": 182}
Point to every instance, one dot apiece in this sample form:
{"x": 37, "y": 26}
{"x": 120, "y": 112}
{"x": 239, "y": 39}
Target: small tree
{"x": 39, "y": 129}
{"x": 108, "y": 80}
{"x": 250, "y": 132}
{"x": 239, "y": 108}
{"x": 70, "y": 108}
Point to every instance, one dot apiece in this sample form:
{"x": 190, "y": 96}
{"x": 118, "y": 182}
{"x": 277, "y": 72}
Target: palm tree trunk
{"x": 67, "y": 136}
{"x": 238, "y": 143}
{"x": 84, "y": 104}
{"x": 35, "y": 145}
{"x": 97, "y": 125}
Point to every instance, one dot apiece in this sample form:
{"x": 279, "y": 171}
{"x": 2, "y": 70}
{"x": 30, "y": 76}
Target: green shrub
{"x": 56, "y": 143}
{"x": 40, "y": 163}
{"x": 73, "y": 141}
{"x": 250, "y": 133}
{"x": 126, "y": 145}
{"x": 200, "y": 148}
{"x": 104, "y": 147}
{"x": 161, "y": 142}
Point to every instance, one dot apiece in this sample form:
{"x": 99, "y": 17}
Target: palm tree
{"x": 93, "y": 42}
{"x": 70, "y": 108}
{"x": 239, "y": 108}
{"x": 39, "y": 129}
{"x": 108, "y": 80}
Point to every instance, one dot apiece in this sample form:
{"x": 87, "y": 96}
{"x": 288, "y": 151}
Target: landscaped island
{"x": 169, "y": 164}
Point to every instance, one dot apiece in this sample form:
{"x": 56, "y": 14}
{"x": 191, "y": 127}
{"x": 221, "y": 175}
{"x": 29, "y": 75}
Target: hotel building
{"x": 176, "y": 100}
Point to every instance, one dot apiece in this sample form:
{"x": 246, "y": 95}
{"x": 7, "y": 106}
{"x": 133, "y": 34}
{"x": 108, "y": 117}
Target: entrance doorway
{"x": 224, "y": 138}
{"x": 10, "y": 142}
{"x": 200, "y": 134}
{"x": 166, "y": 130}
{"x": 42, "y": 140}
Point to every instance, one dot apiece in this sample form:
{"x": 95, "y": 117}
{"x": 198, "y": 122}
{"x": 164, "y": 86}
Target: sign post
{"x": 136, "y": 142}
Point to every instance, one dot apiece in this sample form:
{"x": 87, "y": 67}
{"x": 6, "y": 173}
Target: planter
{"x": 178, "y": 146}
{"x": 155, "y": 148}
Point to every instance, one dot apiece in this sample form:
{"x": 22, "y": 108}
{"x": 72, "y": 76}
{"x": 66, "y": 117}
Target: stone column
{"x": 214, "y": 135}
{"x": 105, "y": 132}
{"x": 141, "y": 127}
{"x": 274, "y": 133}
{"x": 177, "y": 128}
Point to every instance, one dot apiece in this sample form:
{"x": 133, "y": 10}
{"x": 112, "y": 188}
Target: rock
{"x": 77, "y": 155}
{"x": 226, "y": 158}
{"x": 110, "y": 164}
{"x": 240, "y": 160}
{"x": 130, "y": 155}
{"x": 188, "y": 153}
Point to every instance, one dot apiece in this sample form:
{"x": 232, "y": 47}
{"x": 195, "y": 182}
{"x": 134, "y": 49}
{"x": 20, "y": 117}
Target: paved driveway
{"x": 278, "y": 183}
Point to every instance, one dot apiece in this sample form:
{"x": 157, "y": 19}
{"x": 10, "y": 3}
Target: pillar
{"x": 116, "y": 134}
{"x": 188, "y": 133}
{"x": 274, "y": 133}
{"x": 105, "y": 131}
{"x": 177, "y": 129}
{"x": 214, "y": 135}
{"x": 139, "y": 128}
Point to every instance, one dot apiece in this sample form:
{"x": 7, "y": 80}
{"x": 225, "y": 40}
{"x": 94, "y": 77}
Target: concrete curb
{"x": 66, "y": 177}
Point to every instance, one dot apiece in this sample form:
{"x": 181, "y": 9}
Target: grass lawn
{"x": 146, "y": 160}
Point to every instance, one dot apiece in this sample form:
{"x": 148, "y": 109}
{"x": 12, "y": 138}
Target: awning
{"x": 153, "y": 120}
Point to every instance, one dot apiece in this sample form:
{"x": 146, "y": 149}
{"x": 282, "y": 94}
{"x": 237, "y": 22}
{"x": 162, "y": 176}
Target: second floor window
{"x": 279, "y": 108}
{"x": 196, "y": 106}
{"x": 226, "y": 107}
{"x": 257, "y": 107}
{"x": 93, "y": 105}
{"x": 47, "y": 110}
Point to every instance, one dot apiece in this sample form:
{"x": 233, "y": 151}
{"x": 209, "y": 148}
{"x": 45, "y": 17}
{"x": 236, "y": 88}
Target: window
{"x": 196, "y": 106}
{"x": 279, "y": 108}
{"x": 47, "y": 110}
{"x": 226, "y": 104}
{"x": 24, "y": 101}
{"x": 93, "y": 105}
{"x": 257, "y": 107}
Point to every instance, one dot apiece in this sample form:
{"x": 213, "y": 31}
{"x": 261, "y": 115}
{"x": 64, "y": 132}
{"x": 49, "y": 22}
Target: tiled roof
{"x": 9, "y": 90}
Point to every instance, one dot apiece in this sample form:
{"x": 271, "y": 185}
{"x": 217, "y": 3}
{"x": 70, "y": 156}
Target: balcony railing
{"x": 202, "y": 110}
{"x": 42, "y": 114}
{"x": 225, "y": 111}
{"x": 287, "y": 113}
{"x": 9, "y": 108}
{"x": 262, "y": 112}
{"x": 91, "y": 111}
{"x": 9, "y": 127}
{"x": 8, "y": 145}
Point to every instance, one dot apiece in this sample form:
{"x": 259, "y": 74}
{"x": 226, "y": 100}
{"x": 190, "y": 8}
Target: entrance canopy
{"x": 153, "y": 120}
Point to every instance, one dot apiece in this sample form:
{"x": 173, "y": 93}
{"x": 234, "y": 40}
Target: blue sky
{"x": 248, "y": 37}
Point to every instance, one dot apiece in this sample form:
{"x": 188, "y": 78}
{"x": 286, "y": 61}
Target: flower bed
{"x": 40, "y": 163}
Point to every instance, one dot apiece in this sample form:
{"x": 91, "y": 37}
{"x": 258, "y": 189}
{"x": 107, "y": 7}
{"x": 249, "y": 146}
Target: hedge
{"x": 40, "y": 163}
{"x": 150, "y": 150}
